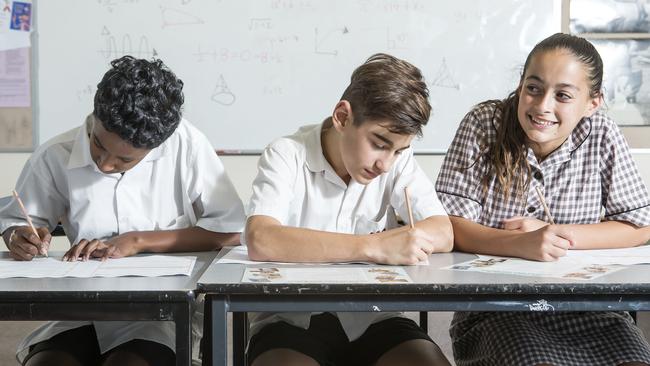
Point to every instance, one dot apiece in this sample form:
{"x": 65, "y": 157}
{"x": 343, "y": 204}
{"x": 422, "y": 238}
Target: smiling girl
{"x": 549, "y": 134}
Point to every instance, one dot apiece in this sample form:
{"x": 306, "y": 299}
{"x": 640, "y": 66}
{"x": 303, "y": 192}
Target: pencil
{"x": 29, "y": 220}
{"x": 546, "y": 210}
{"x": 408, "y": 207}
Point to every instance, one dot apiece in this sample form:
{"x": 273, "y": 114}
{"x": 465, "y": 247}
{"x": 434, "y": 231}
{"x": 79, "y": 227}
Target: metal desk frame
{"x": 454, "y": 291}
{"x": 84, "y": 299}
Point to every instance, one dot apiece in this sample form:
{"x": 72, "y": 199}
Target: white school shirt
{"x": 298, "y": 187}
{"x": 179, "y": 184}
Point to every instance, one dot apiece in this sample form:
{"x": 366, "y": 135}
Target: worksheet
{"x": 566, "y": 267}
{"x": 141, "y": 266}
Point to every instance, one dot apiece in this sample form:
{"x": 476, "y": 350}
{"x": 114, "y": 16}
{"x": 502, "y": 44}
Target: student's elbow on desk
{"x": 254, "y": 234}
{"x": 444, "y": 232}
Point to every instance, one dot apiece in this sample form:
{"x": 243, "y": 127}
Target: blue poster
{"x": 21, "y": 16}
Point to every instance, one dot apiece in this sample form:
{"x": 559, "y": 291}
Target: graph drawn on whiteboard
{"x": 325, "y": 40}
{"x": 112, "y": 51}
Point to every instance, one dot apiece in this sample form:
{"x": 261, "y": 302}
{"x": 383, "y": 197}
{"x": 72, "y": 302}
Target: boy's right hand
{"x": 24, "y": 245}
{"x": 401, "y": 246}
{"x": 546, "y": 244}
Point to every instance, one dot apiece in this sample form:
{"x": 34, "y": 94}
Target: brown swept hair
{"x": 506, "y": 157}
{"x": 387, "y": 88}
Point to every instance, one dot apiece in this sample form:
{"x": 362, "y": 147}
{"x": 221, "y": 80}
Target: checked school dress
{"x": 591, "y": 177}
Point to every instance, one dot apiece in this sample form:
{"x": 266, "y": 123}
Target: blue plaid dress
{"x": 591, "y": 177}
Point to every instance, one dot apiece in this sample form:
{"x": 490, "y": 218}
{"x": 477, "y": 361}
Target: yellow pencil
{"x": 408, "y": 207}
{"x": 546, "y": 210}
{"x": 29, "y": 220}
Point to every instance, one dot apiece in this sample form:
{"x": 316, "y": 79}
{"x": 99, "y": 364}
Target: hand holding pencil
{"x": 25, "y": 242}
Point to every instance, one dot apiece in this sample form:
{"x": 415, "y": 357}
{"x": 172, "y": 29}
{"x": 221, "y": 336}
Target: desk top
{"x": 170, "y": 288}
{"x": 225, "y": 279}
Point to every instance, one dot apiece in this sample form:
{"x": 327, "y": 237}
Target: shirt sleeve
{"x": 424, "y": 200}
{"x": 273, "y": 185}
{"x": 36, "y": 187}
{"x": 459, "y": 182}
{"x": 624, "y": 195}
{"x": 212, "y": 193}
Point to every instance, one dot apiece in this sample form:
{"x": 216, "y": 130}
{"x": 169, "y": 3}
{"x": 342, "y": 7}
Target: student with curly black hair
{"x": 134, "y": 177}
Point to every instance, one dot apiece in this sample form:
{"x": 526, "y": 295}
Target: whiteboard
{"x": 255, "y": 70}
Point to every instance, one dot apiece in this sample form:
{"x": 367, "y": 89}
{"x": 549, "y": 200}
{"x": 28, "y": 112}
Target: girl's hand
{"x": 523, "y": 224}
{"x": 546, "y": 244}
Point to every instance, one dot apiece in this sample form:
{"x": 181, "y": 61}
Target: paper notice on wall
{"x": 14, "y": 78}
{"x": 15, "y": 24}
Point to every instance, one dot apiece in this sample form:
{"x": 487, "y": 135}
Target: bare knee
{"x": 285, "y": 357}
{"x": 414, "y": 353}
{"x": 52, "y": 358}
{"x": 124, "y": 358}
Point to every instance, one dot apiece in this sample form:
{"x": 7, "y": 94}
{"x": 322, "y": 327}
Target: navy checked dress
{"x": 589, "y": 178}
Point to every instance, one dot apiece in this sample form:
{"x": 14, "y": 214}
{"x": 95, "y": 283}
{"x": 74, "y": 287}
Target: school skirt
{"x": 563, "y": 338}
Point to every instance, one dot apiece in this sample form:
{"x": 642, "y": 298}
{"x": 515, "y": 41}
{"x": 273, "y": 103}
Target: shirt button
{"x": 531, "y": 209}
{"x": 538, "y": 175}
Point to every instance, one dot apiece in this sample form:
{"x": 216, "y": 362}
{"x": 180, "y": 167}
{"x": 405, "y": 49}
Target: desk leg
{"x": 183, "y": 323}
{"x": 215, "y": 327}
{"x": 239, "y": 338}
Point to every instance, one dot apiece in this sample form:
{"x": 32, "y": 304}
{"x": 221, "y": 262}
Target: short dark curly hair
{"x": 141, "y": 101}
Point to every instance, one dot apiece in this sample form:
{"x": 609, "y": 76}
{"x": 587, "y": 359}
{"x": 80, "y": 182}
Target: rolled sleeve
{"x": 273, "y": 185}
{"x": 424, "y": 200}
{"x": 212, "y": 193}
{"x": 36, "y": 188}
{"x": 459, "y": 181}
{"x": 624, "y": 194}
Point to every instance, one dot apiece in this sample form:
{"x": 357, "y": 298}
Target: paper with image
{"x": 329, "y": 275}
{"x": 564, "y": 268}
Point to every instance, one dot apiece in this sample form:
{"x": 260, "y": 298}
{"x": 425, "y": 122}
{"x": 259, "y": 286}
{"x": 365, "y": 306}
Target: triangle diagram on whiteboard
{"x": 444, "y": 78}
{"x": 173, "y": 17}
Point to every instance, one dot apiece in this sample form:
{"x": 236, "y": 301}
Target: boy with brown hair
{"x": 329, "y": 193}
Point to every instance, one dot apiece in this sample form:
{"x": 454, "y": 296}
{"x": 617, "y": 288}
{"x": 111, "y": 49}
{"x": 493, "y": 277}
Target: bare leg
{"x": 284, "y": 357}
{"x": 52, "y": 358}
{"x": 415, "y": 352}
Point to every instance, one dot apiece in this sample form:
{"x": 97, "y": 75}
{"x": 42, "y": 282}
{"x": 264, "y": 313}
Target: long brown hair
{"x": 506, "y": 157}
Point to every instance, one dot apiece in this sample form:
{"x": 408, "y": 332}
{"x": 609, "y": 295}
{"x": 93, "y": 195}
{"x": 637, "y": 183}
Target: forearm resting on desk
{"x": 268, "y": 240}
{"x": 609, "y": 234}
{"x": 192, "y": 239}
{"x": 472, "y": 237}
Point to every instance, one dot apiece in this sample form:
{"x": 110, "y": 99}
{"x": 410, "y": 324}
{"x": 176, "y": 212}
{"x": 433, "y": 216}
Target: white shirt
{"x": 179, "y": 184}
{"x": 298, "y": 187}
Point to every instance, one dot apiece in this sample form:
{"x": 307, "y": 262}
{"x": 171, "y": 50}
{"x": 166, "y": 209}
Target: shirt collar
{"x": 315, "y": 158}
{"x": 577, "y": 137}
{"x": 80, "y": 154}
